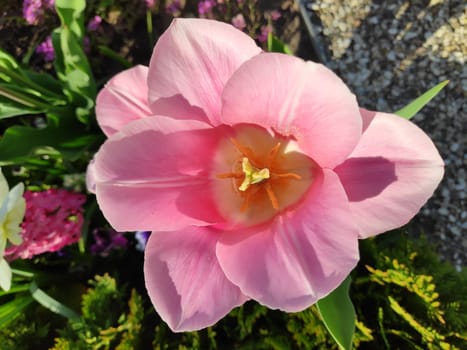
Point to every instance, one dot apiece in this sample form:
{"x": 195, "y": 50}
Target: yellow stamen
{"x": 253, "y": 175}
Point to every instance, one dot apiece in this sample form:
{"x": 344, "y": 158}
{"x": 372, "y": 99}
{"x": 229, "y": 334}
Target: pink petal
{"x": 123, "y": 99}
{"x": 303, "y": 100}
{"x": 194, "y": 58}
{"x": 391, "y": 173}
{"x": 301, "y": 256}
{"x": 184, "y": 280}
{"x": 154, "y": 174}
{"x": 367, "y": 117}
{"x": 91, "y": 177}
{"x": 177, "y": 107}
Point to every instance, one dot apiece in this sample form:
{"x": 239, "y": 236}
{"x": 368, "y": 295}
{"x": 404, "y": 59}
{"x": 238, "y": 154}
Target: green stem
{"x": 149, "y": 27}
{"x": 85, "y": 230}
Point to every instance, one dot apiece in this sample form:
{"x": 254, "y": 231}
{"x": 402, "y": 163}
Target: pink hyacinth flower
{"x": 53, "y": 220}
{"x": 257, "y": 173}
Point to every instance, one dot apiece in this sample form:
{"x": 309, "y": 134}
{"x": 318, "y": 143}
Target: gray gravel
{"x": 389, "y": 52}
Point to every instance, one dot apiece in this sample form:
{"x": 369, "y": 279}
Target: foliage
{"x": 105, "y": 323}
{"x": 406, "y": 292}
{"x": 25, "y": 333}
{"x": 59, "y": 110}
{"x": 405, "y": 298}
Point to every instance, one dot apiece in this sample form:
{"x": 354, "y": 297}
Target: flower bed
{"x": 209, "y": 183}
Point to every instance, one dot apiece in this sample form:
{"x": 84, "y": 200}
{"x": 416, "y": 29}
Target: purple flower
{"x": 46, "y": 50}
{"x": 94, "y": 23}
{"x": 238, "y": 21}
{"x": 33, "y": 10}
{"x": 173, "y": 7}
{"x": 205, "y": 6}
{"x": 141, "y": 239}
{"x": 106, "y": 240}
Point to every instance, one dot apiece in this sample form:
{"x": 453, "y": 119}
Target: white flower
{"x": 12, "y": 209}
{"x": 5, "y": 275}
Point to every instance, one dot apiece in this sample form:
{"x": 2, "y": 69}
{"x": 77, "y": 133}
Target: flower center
{"x": 252, "y": 174}
{"x": 267, "y": 175}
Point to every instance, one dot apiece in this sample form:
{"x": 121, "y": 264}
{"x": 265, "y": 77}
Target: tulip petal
{"x": 91, "y": 178}
{"x": 177, "y": 107}
{"x": 123, "y": 99}
{"x": 391, "y": 173}
{"x": 154, "y": 174}
{"x": 184, "y": 280}
{"x": 298, "y": 258}
{"x": 194, "y": 58}
{"x": 303, "y": 100}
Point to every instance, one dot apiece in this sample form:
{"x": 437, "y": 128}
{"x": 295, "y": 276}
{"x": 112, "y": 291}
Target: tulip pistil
{"x": 253, "y": 175}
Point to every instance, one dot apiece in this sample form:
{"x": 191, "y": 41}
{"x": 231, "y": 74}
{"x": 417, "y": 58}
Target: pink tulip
{"x": 257, "y": 173}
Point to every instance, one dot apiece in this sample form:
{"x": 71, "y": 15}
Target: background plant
{"x": 404, "y": 298}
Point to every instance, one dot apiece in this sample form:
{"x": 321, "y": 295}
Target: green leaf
{"x": 338, "y": 315}
{"x": 14, "y": 94}
{"x": 276, "y": 45}
{"x": 65, "y": 135}
{"x": 31, "y": 84}
{"x": 416, "y": 105}
{"x": 7, "y": 61}
{"x": 16, "y": 289}
{"x": 50, "y": 303}
{"x": 10, "y": 108}
{"x": 71, "y": 63}
{"x": 52, "y": 86}
{"x": 71, "y": 15}
{"x": 13, "y": 309}
{"x": 107, "y": 51}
